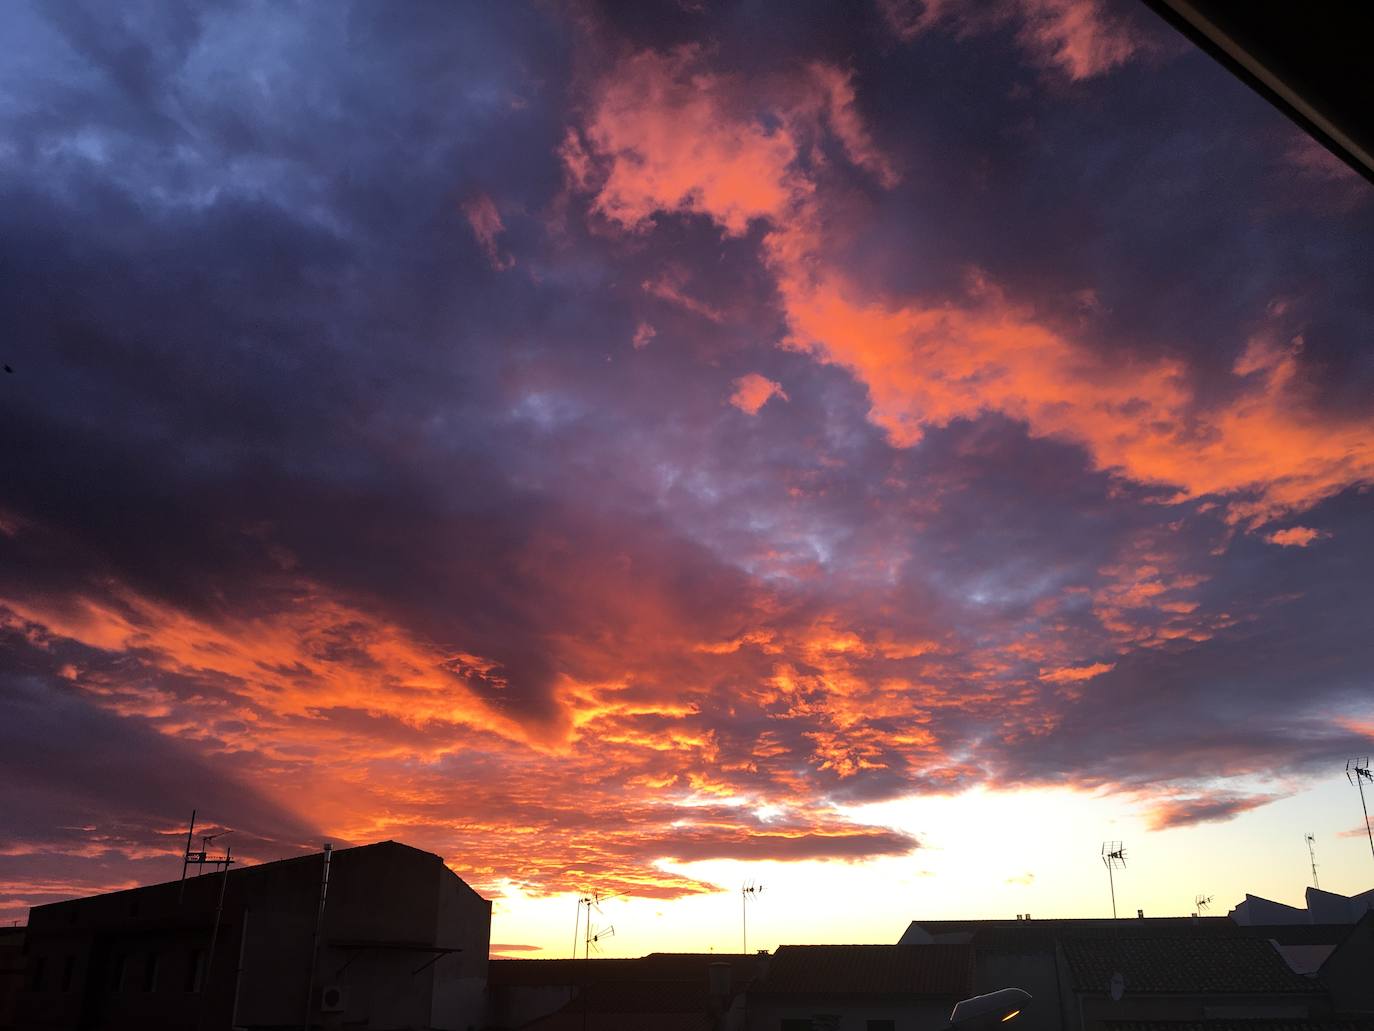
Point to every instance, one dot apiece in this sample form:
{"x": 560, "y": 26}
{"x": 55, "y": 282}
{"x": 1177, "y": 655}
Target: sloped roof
{"x": 1016, "y": 930}
{"x": 933, "y": 970}
{"x": 1189, "y": 965}
{"x": 1037, "y": 935}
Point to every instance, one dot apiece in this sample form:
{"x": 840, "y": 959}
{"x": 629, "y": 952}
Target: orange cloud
{"x": 643, "y": 334}
{"x": 657, "y": 123}
{"x": 753, "y": 391}
{"x": 382, "y": 733}
{"x": 1266, "y": 447}
{"x": 487, "y": 227}
{"x": 1076, "y": 37}
{"x": 1295, "y": 536}
{"x": 669, "y": 287}
{"x": 1074, "y": 674}
{"x": 1184, "y": 812}
{"x": 679, "y": 139}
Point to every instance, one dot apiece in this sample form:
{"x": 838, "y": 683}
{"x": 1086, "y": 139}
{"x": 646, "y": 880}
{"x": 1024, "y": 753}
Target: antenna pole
{"x": 1312, "y": 852}
{"x": 315, "y": 942}
{"x": 577, "y": 926}
{"x": 744, "y": 922}
{"x": 214, "y": 939}
{"x": 1359, "y": 782}
{"x": 1357, "y": 772}
{"x": 186, "y": 857}
{"x": 1113, "y": 854}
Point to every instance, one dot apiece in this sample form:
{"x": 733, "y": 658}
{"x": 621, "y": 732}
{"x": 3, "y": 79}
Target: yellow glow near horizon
{"x": 985, "y": 855}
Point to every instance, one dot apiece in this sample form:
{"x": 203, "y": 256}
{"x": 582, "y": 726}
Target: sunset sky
{"x": 879, "y": 449}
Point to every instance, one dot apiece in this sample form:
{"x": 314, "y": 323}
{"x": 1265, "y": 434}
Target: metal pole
{"x": 744, "y": 923}
{"x": 1312, "y": 851}
{"x": 1112, "y": 882}
{"x": 186, "y": 857}
{"x": 1359, "y": 783}
{"x": 315, "y": 944}
{"x": 577, "y": 926}
{"x": 238, "y": 973}
{"x": 207, "y": 980}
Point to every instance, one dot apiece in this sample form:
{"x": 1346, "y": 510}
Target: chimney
{"x": 1140, "y": 913}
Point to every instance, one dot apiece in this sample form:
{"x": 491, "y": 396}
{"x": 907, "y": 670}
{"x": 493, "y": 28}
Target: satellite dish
{"x": 1116, "y": 987}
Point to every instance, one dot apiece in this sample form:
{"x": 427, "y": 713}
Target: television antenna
{"x": 1311, "y": 840}
{"x": 1113, "y": 858}
{"x": 1357, "y": 772}
{"x": 747, "y": 892}
{"x": 201, "y": 857}
{"x": 592, "y": 901}
{"x": 1201, "y": 902}
{"x": 595, "y": 936}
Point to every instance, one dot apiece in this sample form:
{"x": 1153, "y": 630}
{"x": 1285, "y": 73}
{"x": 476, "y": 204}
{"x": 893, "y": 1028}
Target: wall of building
{"x": 1035, "y": 971}
{"x": 850, "y": 1014}
{"x": 463, "y": 921}
{"x": 129, "y": 959}
{"x": 1348, "y": 973}
{"x": 13, "y": 973}
{"x": 1097, "y": 1009}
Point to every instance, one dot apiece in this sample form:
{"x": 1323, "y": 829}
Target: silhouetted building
{"x": 1024, "y": 953}
{"x": 860, "y": 987}
{"x": 403, "y": 944}
{"x": 1185, "y": 979}
{"x": 669, "y": 991}
{"x": 13, "y": 969}
{"x": 1348, "y": 972}
{"x": 1323, "y": 907}
{"x": 1175, "y": 971}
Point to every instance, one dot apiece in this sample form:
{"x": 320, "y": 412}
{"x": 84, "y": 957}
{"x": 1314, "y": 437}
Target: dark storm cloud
{"x": 336, "y": 448}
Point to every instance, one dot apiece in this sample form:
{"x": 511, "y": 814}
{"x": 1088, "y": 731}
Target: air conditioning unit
{"x": 333, "y": 999}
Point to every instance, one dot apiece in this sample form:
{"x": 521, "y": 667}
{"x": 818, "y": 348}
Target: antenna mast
{"x": 1311, "y": 840}
{"x": 201, "y": 858}
{"x": 582, "y": 900}
{"x": 1113, "y": 858}
{"x": 593, "y": 901}
{"x": 1357, "y": 772}
{"x": 749, "y": 891}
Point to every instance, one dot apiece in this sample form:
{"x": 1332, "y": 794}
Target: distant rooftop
{"x": 1183, "y": 965}
{"x": 937, "y": 970}
{"x": 1323, "y": 907}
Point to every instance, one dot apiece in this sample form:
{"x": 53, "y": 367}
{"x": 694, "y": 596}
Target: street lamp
{"x": 988, "y": 1011}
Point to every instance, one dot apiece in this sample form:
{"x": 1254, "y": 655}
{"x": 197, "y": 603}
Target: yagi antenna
{"x": 1200, "y": 903}
{"x": 1113, "y": 858}
{"x": 201, "y": 858}
{"x": 747, "y": 892}
{"x": 1357, "y": 772}
{"x": 1311, "y": 840}
{"x": 591, "y": 900}
{"x": 592, "y": 939}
